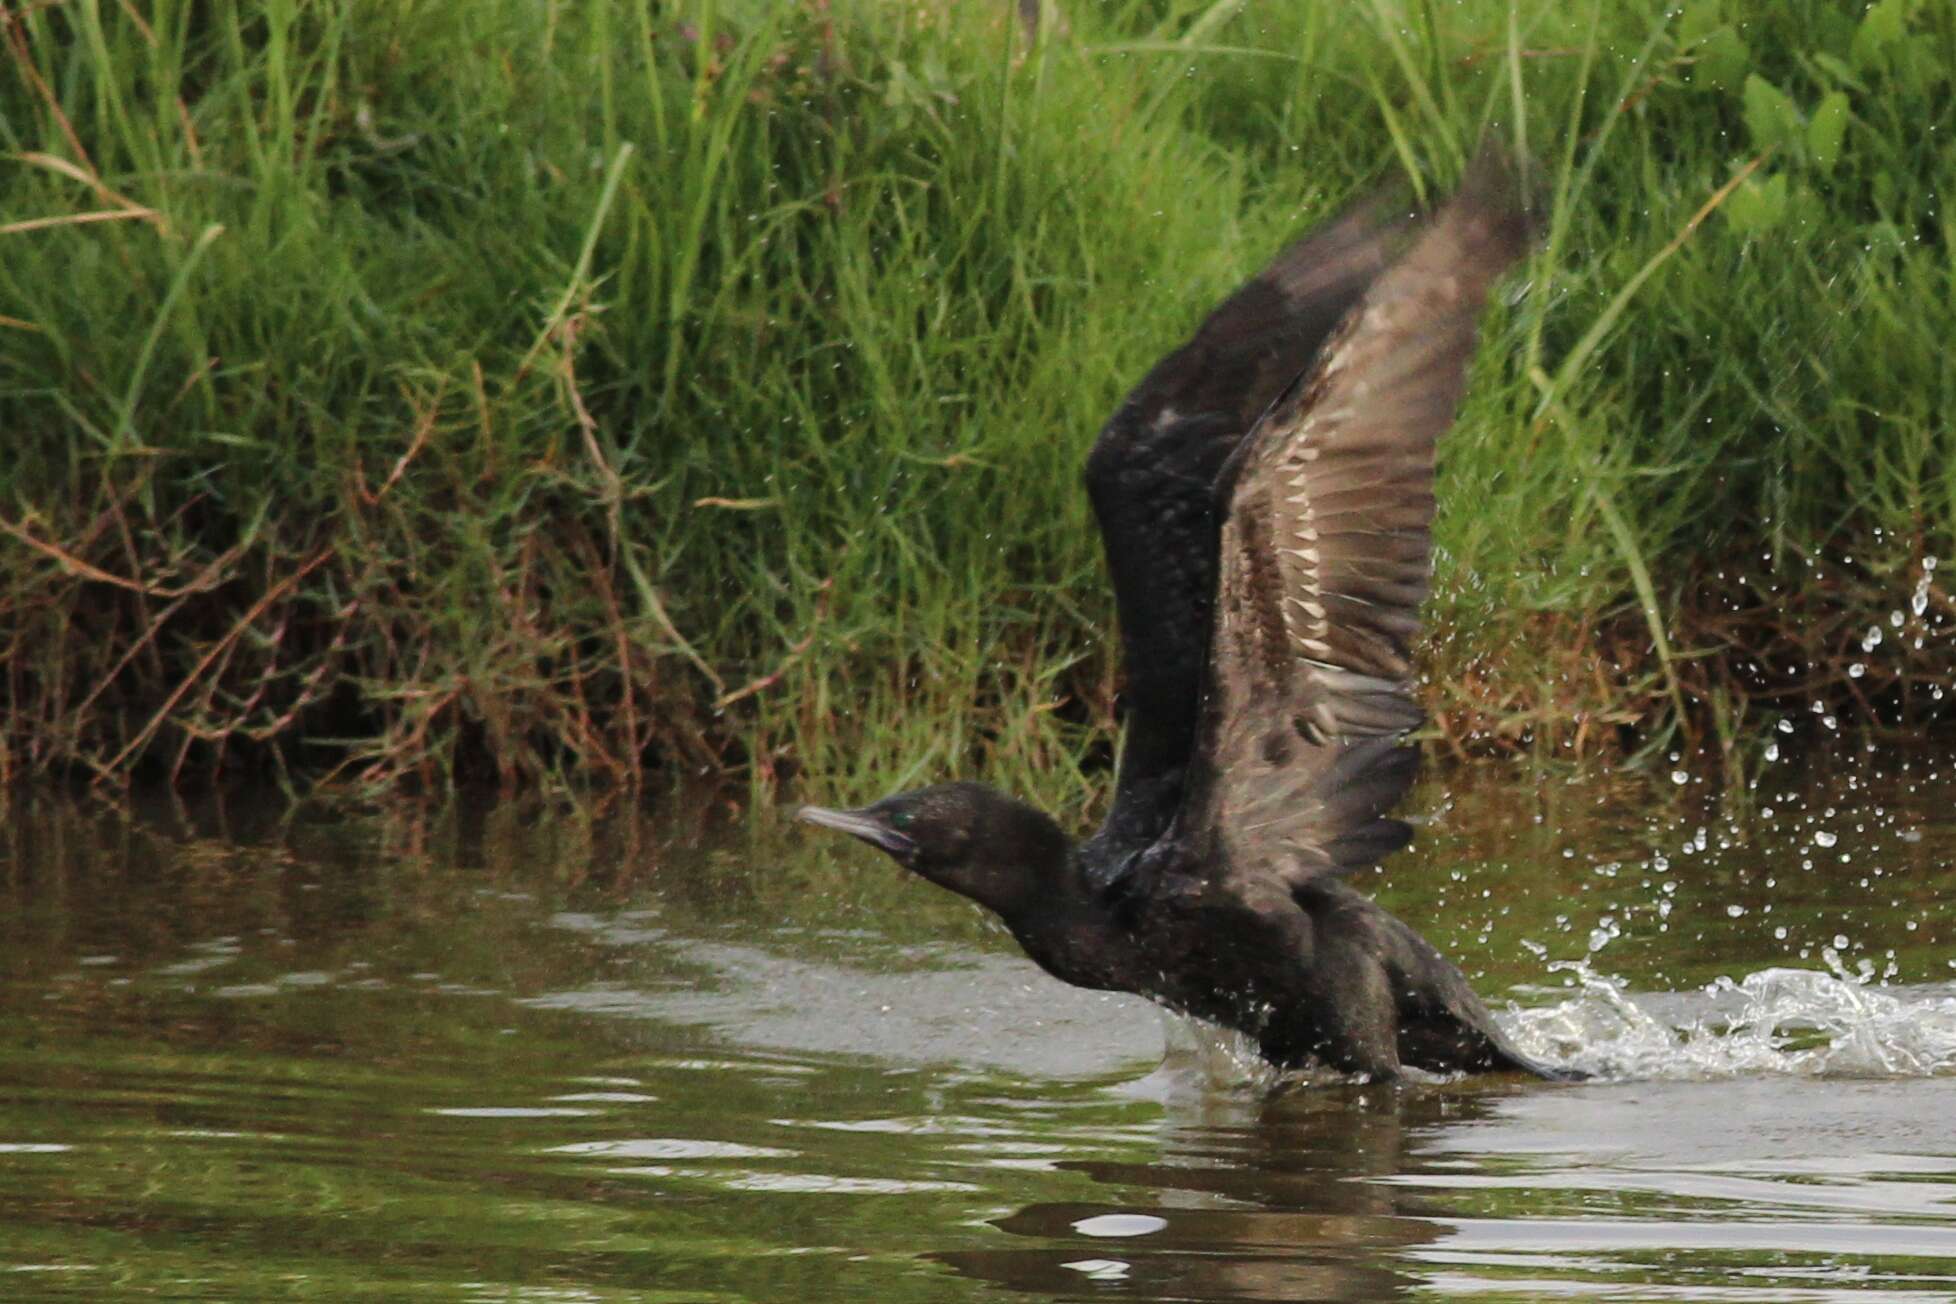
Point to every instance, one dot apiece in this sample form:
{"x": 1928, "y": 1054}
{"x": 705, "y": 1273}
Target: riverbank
{"x": 397, "y": 396}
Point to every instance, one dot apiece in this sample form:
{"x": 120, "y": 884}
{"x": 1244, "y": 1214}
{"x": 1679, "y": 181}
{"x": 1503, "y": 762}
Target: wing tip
{"x": 1333, "y": 262}
{"x": 1499, "y": 207}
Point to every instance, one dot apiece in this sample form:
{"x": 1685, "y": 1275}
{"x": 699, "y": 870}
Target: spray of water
{"x": 1790, "y": 1022}
{"x": 1778, "y": 1022}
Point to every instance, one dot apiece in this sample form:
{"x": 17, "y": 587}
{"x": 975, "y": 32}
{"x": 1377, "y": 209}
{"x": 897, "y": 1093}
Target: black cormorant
{"x": 1265, "y": 495}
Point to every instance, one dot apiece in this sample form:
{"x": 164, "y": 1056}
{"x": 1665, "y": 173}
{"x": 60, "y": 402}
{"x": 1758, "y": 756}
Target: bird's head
{"x": 979, "y": 843}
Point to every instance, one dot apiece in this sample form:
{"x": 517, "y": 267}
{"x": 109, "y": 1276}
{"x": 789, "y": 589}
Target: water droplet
{"x": 1734, "y": 912}
{"x": 1825, "y": 839}
{"x": 1680, "y": 778}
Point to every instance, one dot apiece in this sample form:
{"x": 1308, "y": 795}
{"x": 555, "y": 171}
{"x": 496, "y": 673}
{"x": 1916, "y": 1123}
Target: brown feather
{"x": 1325, "y": 557}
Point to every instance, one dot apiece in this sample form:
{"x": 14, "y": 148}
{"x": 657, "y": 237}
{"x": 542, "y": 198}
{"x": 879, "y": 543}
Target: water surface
{"x": 256, "y": 1053}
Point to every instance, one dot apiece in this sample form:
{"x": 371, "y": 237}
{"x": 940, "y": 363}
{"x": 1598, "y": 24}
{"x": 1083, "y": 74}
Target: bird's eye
{"x": 902, "y": 819}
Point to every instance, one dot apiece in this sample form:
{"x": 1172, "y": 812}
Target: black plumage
{"x": 1265, "y": 496}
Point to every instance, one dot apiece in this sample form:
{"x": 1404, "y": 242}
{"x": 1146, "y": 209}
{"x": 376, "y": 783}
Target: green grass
{"x": 414, "y": 393}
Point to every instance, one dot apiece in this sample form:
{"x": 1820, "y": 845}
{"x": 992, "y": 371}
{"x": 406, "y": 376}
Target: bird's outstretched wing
{"x": 1325, "y": 558}
{"x": 1152, "y": 477}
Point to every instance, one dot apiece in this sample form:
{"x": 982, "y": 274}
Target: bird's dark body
{"x": 1322, "y": 976}
{"x": 1265, "y": 496}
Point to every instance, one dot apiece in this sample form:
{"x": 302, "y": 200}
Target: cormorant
{"x": 1265, "y": 496}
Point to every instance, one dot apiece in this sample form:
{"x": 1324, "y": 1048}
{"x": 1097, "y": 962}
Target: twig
{"x": 768, "y": 681}
{"x": 17, "y": 39}
{"x": 244, "y": 622}
{"x": 79, "y": 219}
{"x": 422, "y": 429}
{"x": 76, "y": 566}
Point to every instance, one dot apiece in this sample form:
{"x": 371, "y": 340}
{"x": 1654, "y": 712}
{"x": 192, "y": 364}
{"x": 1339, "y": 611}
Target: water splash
{"x": 1787, "y": 1022}
{"x": 1779, "y": 1022}
{"x": 1204, "y": 1056}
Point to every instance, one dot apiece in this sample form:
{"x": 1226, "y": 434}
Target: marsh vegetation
{"x": 399, "y": 394}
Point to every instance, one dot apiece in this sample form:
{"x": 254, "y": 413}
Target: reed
{"x": 401, "y": 395}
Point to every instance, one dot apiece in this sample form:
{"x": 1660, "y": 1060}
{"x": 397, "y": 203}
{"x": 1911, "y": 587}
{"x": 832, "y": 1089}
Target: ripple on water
{"x": 824, "y": 1184}
{"x": 509, "y": 1111}
{"x": 1119, "y": 1224}
{"x": 540, "y": 1095}
{"x": 670, "y": 1148}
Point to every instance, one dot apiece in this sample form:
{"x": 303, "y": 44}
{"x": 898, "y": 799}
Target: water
{"x": 523, "y": 1055}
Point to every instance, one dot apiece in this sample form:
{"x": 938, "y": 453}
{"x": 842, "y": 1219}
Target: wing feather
{"x": 1325, "y": 558}
{"x": 1152, "y": 478}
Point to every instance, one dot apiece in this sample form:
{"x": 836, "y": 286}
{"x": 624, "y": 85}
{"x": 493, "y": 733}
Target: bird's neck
{"x": 1067, "y": 930}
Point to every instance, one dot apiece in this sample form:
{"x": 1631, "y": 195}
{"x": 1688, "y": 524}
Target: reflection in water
{"x": 245, "y": 1053}
{"x": 1764, "y": 1190}
{"x": 1252, "y": 1198}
